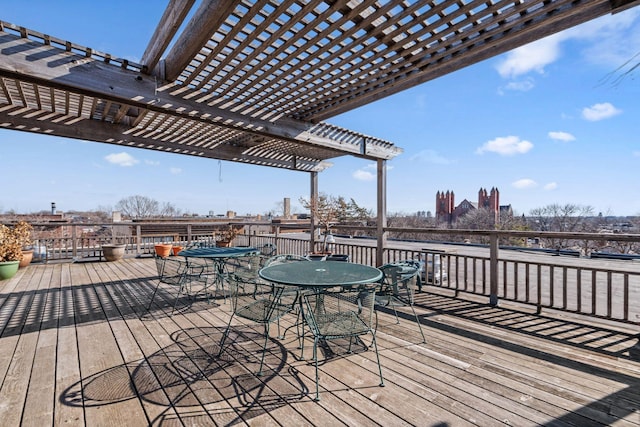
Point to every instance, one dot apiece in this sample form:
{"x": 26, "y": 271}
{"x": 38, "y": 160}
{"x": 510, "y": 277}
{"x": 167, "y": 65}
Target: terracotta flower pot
{"x": 27, "y": 256}
{"x": 176, "y": 249}
{"x": 163, "y": 250}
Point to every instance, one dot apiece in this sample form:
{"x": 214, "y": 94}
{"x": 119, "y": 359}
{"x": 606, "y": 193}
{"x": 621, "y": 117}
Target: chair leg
{"x": 315, "y": 359}
{"x": 264, "y": 347}
{"x": 224, "y": 337}
{"x": 175, "y": 304}
{"x": 375, "y": 347}
{"x": 424, "y": 340}
{"x": 153, "y": 296}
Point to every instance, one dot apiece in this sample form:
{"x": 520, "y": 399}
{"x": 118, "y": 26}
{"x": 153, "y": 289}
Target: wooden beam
{"x": 118, "y": 134}
{"x": 167, "y": 28}
{"x": 518, "y": 32}
{"x": 32, "y": 62}
{"x": 208, "y": 18}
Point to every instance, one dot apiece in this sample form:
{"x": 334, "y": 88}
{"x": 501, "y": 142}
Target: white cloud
{"x": 524, "y": 183}
{"x": 609, "y": 41}
{"x": 561, "y": 136}
{"x": 175, "y": 171}
{"x": 551, "y": 186}
{"x": 151, "y": 163}
{"x": 362, "y": 175}
{"x": 506, "y": 146}
{"x": 613, "y": 39}
{"x": 599, "y": 112}
{"x": 121, "y": 159}
{"x": 431, "y": 156}
{"x": 518, "y": 86}
{"x": 531, "y": 57}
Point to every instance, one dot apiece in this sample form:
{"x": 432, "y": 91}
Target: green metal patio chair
{"x": 177, "y": 274}
{"x": 397, "y": 288}
{"x": 341, "y": 313}
{"x": 253, "y": 299}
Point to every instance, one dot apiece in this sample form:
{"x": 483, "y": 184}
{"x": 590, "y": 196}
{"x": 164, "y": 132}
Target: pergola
{"x": 253, "y": 81}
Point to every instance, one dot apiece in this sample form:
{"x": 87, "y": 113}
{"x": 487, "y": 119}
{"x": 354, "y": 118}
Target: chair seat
{"x": 263, "y": 311}
{"x": 338, "y": 325}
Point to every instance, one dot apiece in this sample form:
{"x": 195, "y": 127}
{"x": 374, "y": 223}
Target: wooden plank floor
{"x": 78, "y": 347}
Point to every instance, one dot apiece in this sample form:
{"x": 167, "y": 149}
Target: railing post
{"x": 188, "y": 243}
{"x": 74, "y": 244}
{"x": 138, "y": 239}
{"x": 493, "y": 269}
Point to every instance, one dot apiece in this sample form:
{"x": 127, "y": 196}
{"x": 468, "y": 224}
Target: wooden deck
{"x": 78, "y": 347}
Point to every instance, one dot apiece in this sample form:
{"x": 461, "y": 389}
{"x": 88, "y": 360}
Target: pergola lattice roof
{"x": 253, "y": 81}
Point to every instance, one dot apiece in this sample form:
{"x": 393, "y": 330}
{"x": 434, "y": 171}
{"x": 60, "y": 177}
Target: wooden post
{"x": 493, "y": 269}
{"x": 381, "y": 222}
{"x": 138, "y": 240}
{"x": 313, "y": 201}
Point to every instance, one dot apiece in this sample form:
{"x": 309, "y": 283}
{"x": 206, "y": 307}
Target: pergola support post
{"x": 381, "y": 223}
{"x": 313, "y": 201}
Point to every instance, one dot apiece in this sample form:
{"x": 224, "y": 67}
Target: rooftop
{"x": 77, "y": 346}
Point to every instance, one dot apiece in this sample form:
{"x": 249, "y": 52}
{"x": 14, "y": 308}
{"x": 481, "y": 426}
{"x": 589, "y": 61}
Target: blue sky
{"x": 546, "y": 123}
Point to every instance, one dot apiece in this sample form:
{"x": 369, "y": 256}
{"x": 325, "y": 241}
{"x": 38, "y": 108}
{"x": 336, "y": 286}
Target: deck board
{"x": 78, "y": 347}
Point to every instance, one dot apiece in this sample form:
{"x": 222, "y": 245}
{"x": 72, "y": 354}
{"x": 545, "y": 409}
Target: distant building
{"x": 447, "y": 211}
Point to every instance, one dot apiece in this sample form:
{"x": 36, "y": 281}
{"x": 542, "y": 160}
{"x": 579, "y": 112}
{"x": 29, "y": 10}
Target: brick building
{"x": 447, "y": 211}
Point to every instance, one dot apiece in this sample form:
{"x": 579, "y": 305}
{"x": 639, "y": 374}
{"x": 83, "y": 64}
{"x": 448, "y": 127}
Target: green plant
{"x": 13, "y": 239}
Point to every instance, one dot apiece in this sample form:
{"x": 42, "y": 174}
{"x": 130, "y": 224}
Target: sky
{"x": 556, "y": 121}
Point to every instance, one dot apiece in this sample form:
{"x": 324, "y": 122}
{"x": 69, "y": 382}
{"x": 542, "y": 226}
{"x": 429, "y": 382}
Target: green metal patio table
{"x": 321, "y": 274}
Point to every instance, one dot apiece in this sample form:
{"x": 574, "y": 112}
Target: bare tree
{"x": 137, "y": 207}
{"x": 330, "y": 210}
{"x": 169, "y": 210}
{"x": 563, "y": 218}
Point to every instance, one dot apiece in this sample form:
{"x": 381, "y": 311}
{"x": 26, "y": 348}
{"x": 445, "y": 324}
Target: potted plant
{"x": 22, "y": 230}
{"x": 225, "y": 236}
{"x": 11, "y": 241}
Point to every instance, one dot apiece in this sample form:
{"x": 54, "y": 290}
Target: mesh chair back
{"x": 340, "y": 312}
{"x": 244, "y": 268}
{"x": 338, "y": 257}
{"x": 399, "y": 281}
{"x": 170, "y": 271}
{"x": 397, "y": 288}
{"x": 284, "y": 258}
{"x": 268, "y": 249}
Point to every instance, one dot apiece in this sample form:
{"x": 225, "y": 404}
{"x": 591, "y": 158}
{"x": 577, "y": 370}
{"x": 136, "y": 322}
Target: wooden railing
{"x": 608, "y": 289}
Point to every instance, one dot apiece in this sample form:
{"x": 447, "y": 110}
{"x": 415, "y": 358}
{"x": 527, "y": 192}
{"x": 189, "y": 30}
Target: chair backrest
{"x": 252, "y": 298}
{"x": 244, "y": 268}
{"x": 340, "y": 311}
{"x": 338, "y": 257}
{"x": 170, "y": 270}
{"x": 284, "y": 259}
{"x": 399, "y": 279}
{"x": 268, "y": 249}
